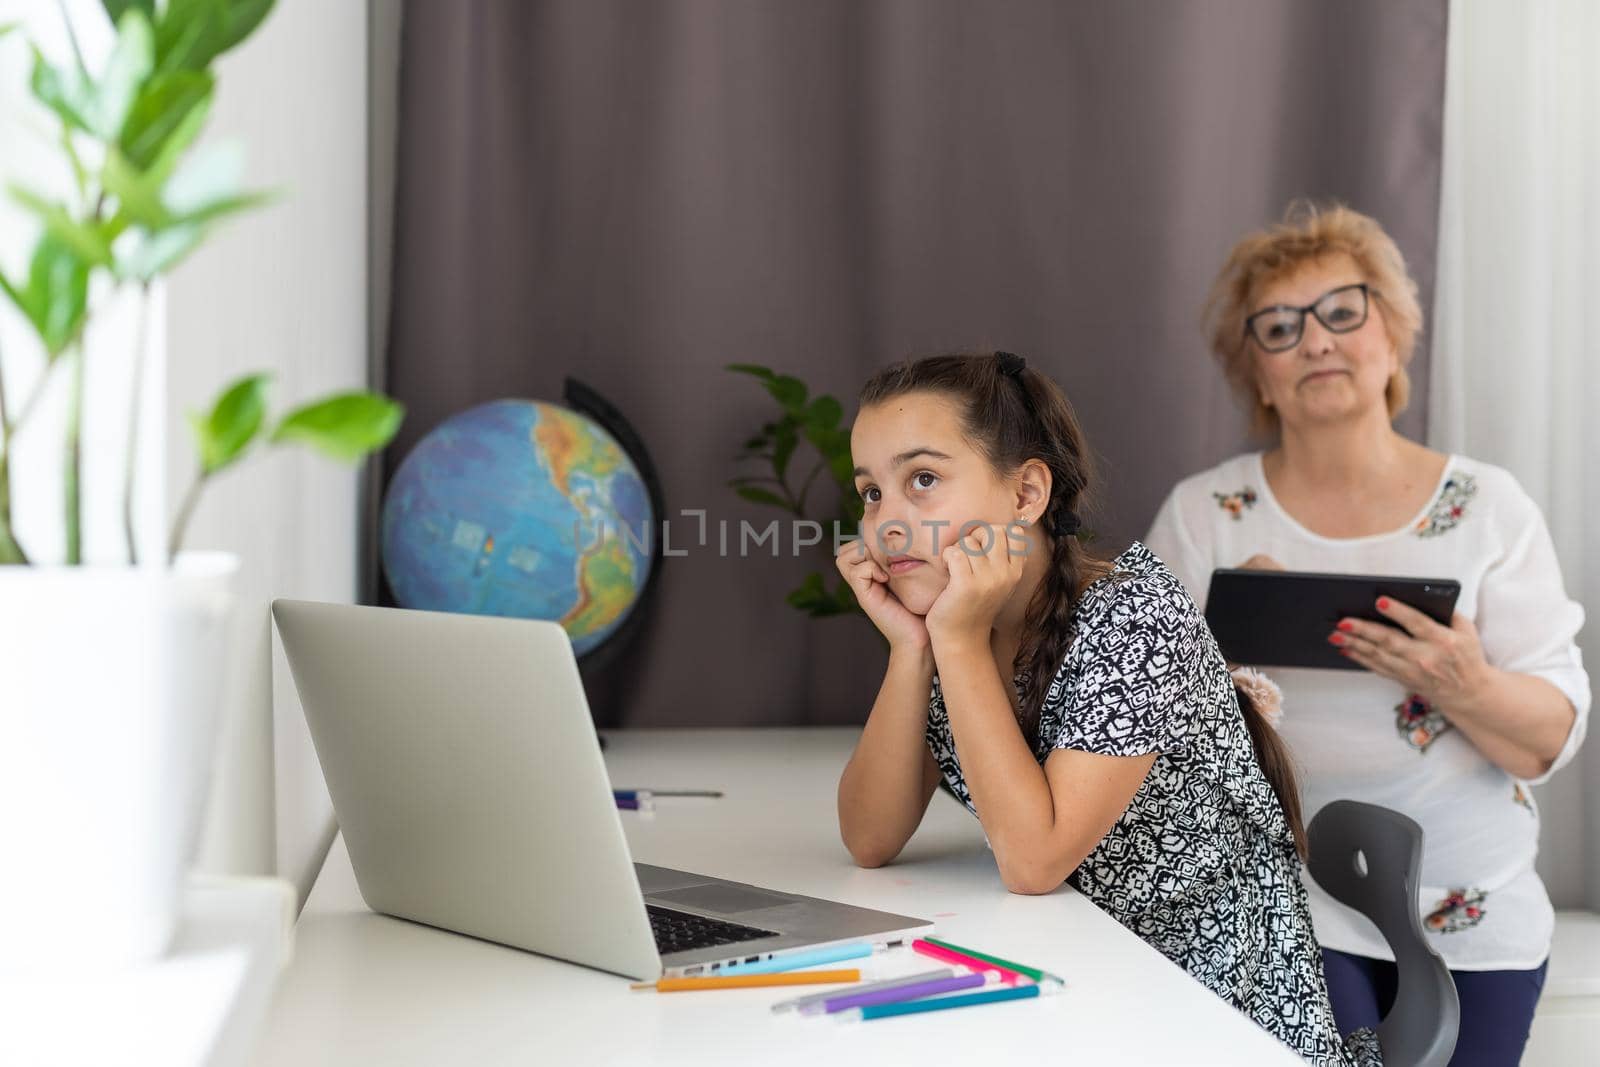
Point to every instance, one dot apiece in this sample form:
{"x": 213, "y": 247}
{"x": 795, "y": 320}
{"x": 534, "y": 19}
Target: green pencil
{"x": 1032, "y": 972}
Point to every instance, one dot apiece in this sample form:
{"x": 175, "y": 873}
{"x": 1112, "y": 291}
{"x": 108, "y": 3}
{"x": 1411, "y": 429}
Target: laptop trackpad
{"x": 726, "y": 899}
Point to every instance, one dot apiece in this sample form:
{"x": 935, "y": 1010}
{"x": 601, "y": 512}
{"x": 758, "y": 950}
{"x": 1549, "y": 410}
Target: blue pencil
{"x": 913, "y": 1007}
{"x": 778, "y": 964}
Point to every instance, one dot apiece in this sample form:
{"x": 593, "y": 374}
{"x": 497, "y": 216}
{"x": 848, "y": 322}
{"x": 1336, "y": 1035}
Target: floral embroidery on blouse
{"x": 1519, "y": 795}
{"x": 1451, "y": 506}
{"x": 1236, "y": 503}
{"x": 1461, "y": 910}
{"x": 1418, "y": 723}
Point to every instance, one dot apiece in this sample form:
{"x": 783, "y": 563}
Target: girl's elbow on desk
{"x": 869, "y": 858}
{"x": 867, "y": 851}
{"x": 1034, "y": 875}
{"x": 1030, "y": 881}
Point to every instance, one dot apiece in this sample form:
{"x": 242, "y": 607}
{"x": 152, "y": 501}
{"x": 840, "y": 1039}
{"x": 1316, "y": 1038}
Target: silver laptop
{"x": 467, "y": 778}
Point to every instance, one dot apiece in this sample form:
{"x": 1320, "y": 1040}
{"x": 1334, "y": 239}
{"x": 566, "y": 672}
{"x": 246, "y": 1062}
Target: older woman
{"x": 1313, "y": 322}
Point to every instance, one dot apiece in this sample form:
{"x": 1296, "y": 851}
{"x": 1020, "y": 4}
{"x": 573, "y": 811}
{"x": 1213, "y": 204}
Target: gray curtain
{"x": 637, "y": 194}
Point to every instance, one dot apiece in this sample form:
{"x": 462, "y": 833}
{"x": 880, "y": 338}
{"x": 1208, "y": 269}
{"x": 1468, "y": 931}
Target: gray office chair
{"x": 1370, "y": 858}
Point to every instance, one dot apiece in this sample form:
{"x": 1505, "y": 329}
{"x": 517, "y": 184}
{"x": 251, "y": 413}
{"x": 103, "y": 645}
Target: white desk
{"x": 365, "y": 988}
{"x": 200, "y": 1006}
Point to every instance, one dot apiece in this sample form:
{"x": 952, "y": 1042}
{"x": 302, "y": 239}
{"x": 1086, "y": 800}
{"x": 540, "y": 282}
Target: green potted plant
{"x": 112, "y": 677}
{"x": 803, "y": 418}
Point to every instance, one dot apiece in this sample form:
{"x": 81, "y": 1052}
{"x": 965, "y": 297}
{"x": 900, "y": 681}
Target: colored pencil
{"x": 968, "y": 1000}
{"x": 815, "y": 999}
{"x": 1032, "y": 972}
{"x": 861, "y": 999}
{"x": 795, "y": 960}
{"x": 646, "y": 794}
{"x": 749, "y": 981}
{"x": 939, "y": 952}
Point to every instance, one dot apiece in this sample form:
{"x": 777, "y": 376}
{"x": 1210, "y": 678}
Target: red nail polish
{"x": 1383, "y": 603}
{"x": 1335, "y": 639}
{"x": 1347, "y": 626}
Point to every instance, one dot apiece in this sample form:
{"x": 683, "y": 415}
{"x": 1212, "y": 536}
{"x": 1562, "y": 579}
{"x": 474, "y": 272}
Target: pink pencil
{"x": 940, "y": 953}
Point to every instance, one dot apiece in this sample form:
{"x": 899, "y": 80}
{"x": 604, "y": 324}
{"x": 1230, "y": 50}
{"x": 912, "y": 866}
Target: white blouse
{"x": 1357, "y": 735}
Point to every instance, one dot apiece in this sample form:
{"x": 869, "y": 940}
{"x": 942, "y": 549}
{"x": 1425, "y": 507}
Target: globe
{"x": 523, "y": 509}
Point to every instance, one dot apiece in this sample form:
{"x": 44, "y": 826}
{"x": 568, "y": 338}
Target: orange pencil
{"x": 747, "y": 981}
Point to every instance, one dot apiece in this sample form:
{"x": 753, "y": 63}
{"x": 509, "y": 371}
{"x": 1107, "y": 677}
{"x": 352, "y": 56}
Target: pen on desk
{"x": 635, "y": 804}
{"x": 967, "y": 1000}
{"x": 747, "y": 981}
{"x": 1032, "y": 972}
{"x": 793, "y": 960}
{"x": 802, "y": 1004}
{"x": 646, "y": 794}
{"x": 939, "y": 952}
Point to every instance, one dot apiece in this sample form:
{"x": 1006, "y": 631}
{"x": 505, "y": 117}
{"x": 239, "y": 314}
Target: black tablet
{"x": 1283, "y": 618}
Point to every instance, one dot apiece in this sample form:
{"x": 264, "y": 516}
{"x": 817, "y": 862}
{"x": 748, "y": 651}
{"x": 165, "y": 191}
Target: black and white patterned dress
{"x": 1202, "y": 864}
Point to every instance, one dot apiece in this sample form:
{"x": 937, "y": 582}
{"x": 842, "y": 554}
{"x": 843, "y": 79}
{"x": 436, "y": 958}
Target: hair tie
{"x": 1010, "y": 365}
{"x": 1262, "y": 691}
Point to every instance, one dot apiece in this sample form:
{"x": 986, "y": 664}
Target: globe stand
{"x": 607, "y": 658}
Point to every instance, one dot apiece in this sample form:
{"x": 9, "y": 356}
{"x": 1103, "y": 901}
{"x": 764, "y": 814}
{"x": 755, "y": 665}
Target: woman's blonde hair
{"x": 1308, "y": 233}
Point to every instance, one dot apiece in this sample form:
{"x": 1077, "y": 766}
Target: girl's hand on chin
{"x": 983, "y": 575}
{"x": 870, "y": 584}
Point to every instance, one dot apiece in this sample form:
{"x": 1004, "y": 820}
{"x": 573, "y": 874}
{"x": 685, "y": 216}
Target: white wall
{"x": 285, "y": 290}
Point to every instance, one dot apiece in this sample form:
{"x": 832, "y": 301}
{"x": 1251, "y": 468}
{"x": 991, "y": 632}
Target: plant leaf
{"x": 211, "y": 173}
{"x": 131, "y": 59}
{"x": 192, "y": 33}
{"x": 192, "y": 198}
{"x": 80, "y": 175}
{"x": 205, "y": 186}
{"x": 344, "y": 426}
{"x": 813, "y": 598}
{"x": 823, "y": 414}
{"x": 789, "y": 392}
{"x": 751, "y": 368}
{"x": 67, "y": 93}
{"x": 762, "y": 496}
{"x": 783, "y": 447}
{"x": 56, "y": 295}
{"x": 222, "y": 436}
{"x": 227, "y": 205}
{"x": 166, "y": 118}
{"x": 87, "y": 240}
{"x": 842, "y": 470}
{"x": 239, "y": 20}
{"x": 156, "y": 253}
{"x": 808, "y": 593}
{"x": 115, "y": 8}
{"x": 138, "y": 198}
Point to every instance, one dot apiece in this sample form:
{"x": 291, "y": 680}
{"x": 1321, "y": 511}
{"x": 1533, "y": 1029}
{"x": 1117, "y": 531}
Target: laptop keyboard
{"x": 678, "y": 931}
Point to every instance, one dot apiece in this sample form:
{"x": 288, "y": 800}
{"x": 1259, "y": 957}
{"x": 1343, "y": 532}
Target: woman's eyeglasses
{"x": 1278, "y": 328}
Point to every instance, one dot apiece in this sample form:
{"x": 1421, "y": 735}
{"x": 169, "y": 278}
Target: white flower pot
{"x": 110, "y": 694}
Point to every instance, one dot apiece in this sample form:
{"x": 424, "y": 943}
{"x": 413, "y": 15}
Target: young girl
{"x": 1079, "y": 708}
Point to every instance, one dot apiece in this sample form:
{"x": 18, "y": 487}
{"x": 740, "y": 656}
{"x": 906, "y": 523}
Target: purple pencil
{"x": 894, "y": 996}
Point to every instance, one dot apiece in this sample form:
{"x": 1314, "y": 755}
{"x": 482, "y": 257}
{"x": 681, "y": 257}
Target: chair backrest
{"x": 1370, "y": 858}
